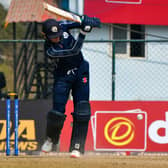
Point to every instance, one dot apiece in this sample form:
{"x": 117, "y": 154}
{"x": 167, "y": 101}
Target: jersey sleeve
{"x": 54, "y": 53}
{"x": 70, "y": 24}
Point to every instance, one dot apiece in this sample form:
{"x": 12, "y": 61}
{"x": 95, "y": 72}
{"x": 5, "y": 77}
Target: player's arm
{"x": 92, "y": 21}
{"x": 70, "y": 24}
{"x": 54, "y": 53}
{"x": 86, "y": 27}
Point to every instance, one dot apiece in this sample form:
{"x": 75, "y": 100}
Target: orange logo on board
{"x": 119, "y": 131}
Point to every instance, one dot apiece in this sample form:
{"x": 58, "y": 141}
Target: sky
{"x": 5, "y": 3}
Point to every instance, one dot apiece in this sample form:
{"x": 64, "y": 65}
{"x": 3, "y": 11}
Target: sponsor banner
{"x": 114, "y": 126}
{"x": 120, "y": 130}
{"x": 32, "y": 123}
{"x": 117, "y": 126}
{"x": 128, "y": 11}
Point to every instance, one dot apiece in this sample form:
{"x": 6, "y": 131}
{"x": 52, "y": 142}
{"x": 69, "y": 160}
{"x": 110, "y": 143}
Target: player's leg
{"x": 81, "y": 114}
{"x": 56, "y": 117}
{"x": 55, "y": 122}
{"x": 81, "y": 119}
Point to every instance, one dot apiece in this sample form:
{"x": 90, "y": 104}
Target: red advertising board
{"x": 120, "y": 131}
{"x": 128, "y": 11}
{"x": 123, "y": 126}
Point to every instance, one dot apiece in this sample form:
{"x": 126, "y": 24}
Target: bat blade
{"x": 62, "y": 13}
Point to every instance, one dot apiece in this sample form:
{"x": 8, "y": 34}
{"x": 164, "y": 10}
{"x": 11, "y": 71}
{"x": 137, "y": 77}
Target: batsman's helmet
{"x": 51, "y": 28}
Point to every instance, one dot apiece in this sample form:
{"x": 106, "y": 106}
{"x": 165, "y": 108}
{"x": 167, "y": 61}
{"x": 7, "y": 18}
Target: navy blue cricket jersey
{"x": 66, "y": 54}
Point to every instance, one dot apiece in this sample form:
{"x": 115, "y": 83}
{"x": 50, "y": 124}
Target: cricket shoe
{"x": 47, "y": 146}
{"x": 75, "y": 154}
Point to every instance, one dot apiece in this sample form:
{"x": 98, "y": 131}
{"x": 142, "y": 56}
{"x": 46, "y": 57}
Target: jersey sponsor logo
{"x": 84, "y": 79}
{"x": 65, "y": 35}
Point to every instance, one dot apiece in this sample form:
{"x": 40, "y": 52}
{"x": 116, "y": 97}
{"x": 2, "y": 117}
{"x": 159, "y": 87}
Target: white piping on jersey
{"x": 66, "y": 23}
{"x": 59, "y": 51}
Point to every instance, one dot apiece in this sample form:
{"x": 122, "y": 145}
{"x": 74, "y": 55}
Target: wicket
{"x": 8, "y": 118}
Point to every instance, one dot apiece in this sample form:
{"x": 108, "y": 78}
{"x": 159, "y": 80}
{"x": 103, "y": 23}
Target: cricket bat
{"x": 62, "y": 13}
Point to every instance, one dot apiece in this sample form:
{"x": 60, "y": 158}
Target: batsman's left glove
{"x": 89, "y": 22}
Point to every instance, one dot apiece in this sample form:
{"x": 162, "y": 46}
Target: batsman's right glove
{"x": 89, "y": 22}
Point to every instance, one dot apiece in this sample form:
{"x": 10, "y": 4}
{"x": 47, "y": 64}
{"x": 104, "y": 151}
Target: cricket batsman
{"x": 71, "y": 75}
